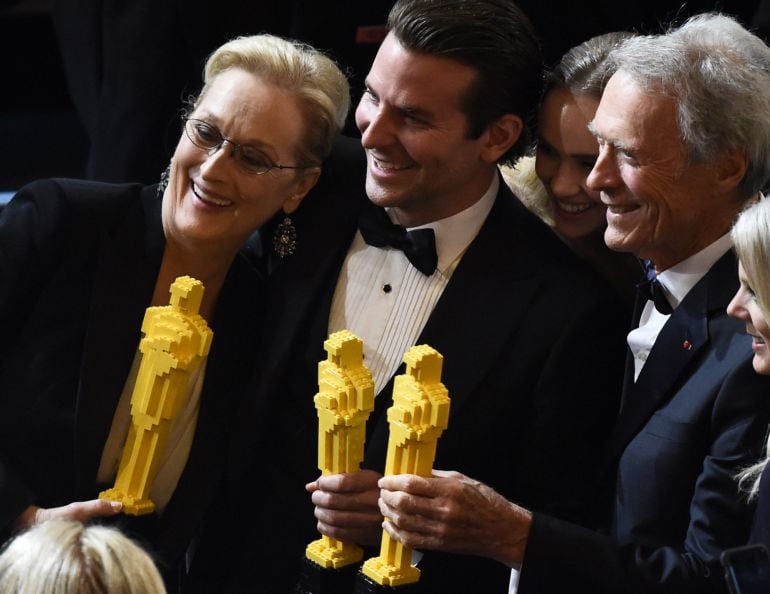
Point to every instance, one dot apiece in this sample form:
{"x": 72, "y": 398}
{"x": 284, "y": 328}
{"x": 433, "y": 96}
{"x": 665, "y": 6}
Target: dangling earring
{"x": 285, "y": 238}
{"x": 163, "y": 183}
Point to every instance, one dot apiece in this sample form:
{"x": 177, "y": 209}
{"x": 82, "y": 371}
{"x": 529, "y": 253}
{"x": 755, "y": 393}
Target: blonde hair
{"x": 320, "y": 86}
{"x": 67, "y": 557}
{"x": 751, "y": 238}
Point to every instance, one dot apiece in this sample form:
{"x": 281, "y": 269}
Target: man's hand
{"x": 82, "y": 511}
{"x": 453, "y": 513}
{"x": 346, "y": 506}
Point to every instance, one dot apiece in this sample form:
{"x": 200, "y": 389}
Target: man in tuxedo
{"x": 531, "y": 338}
{"x": 684, "y": 135}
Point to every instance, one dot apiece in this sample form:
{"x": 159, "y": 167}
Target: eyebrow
{"x": 407, "y": 109}
{"x": 213, "y": 120}
{"x": 617, "y": 144}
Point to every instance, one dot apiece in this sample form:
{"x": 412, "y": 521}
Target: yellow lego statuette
{"x": 419, "y": 415}
{"x": 344, "y": 400}
{"x": 176, "y": 341}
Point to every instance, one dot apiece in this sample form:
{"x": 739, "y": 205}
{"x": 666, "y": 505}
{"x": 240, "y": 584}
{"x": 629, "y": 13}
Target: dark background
{"x": 41, "y": 134}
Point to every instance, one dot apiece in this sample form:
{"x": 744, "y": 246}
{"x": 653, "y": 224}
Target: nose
{"x": 604, "y": 174}
{"x": 374, "y": 124}
{"x": 566, "y": 181}
{"x": 735, "y": 308}
{"x": 215, "y": 160}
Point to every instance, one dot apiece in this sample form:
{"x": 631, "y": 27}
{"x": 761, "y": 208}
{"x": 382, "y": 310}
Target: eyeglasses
{"x": 252, "y": 160}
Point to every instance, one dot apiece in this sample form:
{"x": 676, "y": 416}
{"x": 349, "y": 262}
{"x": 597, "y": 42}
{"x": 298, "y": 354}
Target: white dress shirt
{"x": 677, "y": 281}
{"x": 178, "y": 444}
{"x": 384, "y": 300}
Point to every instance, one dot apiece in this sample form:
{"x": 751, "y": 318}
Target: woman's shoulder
{"x": 79, "y": 191}
{"x": 86, "y": 201}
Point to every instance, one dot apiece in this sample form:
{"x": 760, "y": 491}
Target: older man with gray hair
{"x": 684, "y": 134}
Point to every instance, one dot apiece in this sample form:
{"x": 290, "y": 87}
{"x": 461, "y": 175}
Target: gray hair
{"x": 719, "y": 75}
{"x": 66, "y": 557}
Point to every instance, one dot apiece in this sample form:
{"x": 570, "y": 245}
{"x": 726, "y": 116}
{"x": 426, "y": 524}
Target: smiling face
{"x": 210, "y": 201}
{"x": 419, "y": 158}
{"x": 744, "y": 307}
{"x": 661, "y": 206}
{"x": 566, "y": 152}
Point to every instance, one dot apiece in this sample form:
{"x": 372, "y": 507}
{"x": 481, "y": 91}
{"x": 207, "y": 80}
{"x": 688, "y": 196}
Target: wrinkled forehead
{"x": 630, "y": 110}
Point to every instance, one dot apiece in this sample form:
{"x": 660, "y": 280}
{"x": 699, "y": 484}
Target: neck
{"x": 209, "y": 268}
{"x": 442, "y": 206}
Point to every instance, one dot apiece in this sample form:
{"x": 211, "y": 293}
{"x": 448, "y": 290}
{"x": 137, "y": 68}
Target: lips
{"x": 208, "y": 198}
{"x": 389, "y": 166}
{"x": 620, "y": 209}
{"x": 574, "y": 208}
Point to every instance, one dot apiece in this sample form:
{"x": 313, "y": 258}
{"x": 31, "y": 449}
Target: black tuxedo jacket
{"x": 533, "y": 349}
{"x": 696, "y": 415}
{"x": 78, "y": 265}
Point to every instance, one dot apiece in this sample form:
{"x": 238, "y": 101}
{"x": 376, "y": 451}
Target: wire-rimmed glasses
{"x": 251, "y": 159}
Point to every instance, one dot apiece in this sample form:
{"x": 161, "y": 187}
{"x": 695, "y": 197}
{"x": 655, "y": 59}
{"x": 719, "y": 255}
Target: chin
{"x": 761, "y": 365}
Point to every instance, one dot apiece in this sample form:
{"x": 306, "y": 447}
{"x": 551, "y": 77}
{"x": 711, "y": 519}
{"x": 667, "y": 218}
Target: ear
{"x": 500, "y": 136}
{"x": 731, "y": 169}
{"x": 302, "y": 186}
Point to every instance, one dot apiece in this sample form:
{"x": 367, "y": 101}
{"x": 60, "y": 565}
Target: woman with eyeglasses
{"x": 751, "y": 304}
{"x": 81, "y": 261}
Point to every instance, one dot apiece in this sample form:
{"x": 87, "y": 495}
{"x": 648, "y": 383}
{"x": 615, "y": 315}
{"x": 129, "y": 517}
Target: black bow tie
{"x": 419, "y": 246}
{"x": 651, "y": 289}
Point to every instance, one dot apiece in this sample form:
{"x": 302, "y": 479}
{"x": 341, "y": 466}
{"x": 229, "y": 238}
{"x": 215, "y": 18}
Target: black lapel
{"x": 233, "y": 353}
{"x": 124, "y": 281}
{"x": 487, "y": 295}
{"x": 484, "y": 300}
{"x": 300, "y": 285}
{"x": 680, "y": 341}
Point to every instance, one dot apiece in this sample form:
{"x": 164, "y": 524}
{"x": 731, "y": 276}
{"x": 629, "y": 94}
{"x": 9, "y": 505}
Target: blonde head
{"x": 320, "y": 86}
{"x": 66, "y": 557}
{"x": 751, "y": 238}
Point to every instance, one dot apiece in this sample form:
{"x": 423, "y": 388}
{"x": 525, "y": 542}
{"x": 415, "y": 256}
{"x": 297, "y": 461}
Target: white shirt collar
{"x": 454, "y": 234}
{"x": 680, "y": 279}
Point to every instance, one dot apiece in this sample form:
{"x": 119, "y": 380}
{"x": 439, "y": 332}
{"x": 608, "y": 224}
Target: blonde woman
{"x": 751, "y": 304}
{"x": 81, "y": 261}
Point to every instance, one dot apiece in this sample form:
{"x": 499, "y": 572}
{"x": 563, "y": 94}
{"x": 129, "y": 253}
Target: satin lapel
{"x": 233, "y": 352}
{"x": 486, "y": 297}
{"x": 484, "y": 300}
{"x": 123, "y": 285}
{"x": 303, "y": 282}
{"x": 683, "y": 337}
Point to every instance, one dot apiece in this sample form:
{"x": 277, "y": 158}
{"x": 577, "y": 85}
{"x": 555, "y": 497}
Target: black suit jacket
{"x": 78, "y": 265}
{"x": 533, "y": 348}
{"x": 696, "y": 415}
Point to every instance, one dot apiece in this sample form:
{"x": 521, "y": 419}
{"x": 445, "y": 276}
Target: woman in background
{"x": 553, "y": 183}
